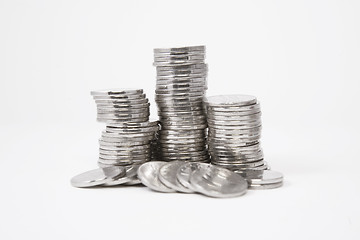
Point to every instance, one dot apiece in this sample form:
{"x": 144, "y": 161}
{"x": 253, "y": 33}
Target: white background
{"x": 300, "y": 58}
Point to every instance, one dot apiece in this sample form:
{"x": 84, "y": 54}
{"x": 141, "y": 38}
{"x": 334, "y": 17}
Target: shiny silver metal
{"x": 97, "y": 177}
{"x": 217, "y": 182}
{"x": 130, "y": 177}
{"x": 148, "y": 173}
{"x": 167, "y": 175}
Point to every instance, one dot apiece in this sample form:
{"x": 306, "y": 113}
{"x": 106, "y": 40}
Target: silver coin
{"x": 180, "y": 141}
{"x": 184, "y": 173}
{"x": 134, "y": 125}
{"x": 185, "y": 154}
{"x": 116, "y": 113}
{"x": 236, "y": 144}
{"x": 119, "y": 101}
{"x": 134, "y": 181}
{"x": 224, "y": 109}
{"x": 217, "y": 182}
{"x": 236, "y": 165}
{"x": 179, "y": 86}
{"x": 184, "y": 127}
{"x": 235, "y": 152}
{"x": 97, "y": 177}
{"x": 167, "y": 175}
{"x": 193, "y": 92}
{"x": 181, "y": 79}
{"x": 233, "y": 114}
{"x": 199, "y": 107}
{"x": 124, "y": 148}
{"x": 116, "y": 92}
{"x": 125, "y": 153}
{"x": 123, "y": 111}
{"x": 251, "y": 148}
{"x": 127, "y": 135}
{"x": 148, "y": 173}
{"x": 181, "y": 137}
{"x": 109, "y": 103}
{"x": 125, "y": 140}
{"x": 120, "y": 97}
{"x": 177, "y": 63}
{"x": 261, "y": 167}
{"x": 122, "y": 143}
{"x": 114, "y": 121}
{"x": 124, "y": 106}
{"x": 193, "y": 68}
{"x": 260, "y": 177}
{"x": 200, "y": 118}
{"x": 265, "y": 186}
{"x": 230, "y": 100}
{"x": 252, "y": 117}
{"x": 183, "y": 74}
{"x": 132, "y": 130}
{"x": 190, "y": 148}
{"x": 180, "y": 49}
{"x": 114, "y": 162}
{"x": 200, "y": 158}
{"x": 123, "y": 157}
{"x": 237, "y": 131}
{"x": 129, "y": 177}
{"x": 246, "y": 156}
{"x": 179, "y": 58}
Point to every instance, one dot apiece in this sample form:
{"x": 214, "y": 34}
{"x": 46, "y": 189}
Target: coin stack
{"x": 234, "y": 132}
{"x": 180, "y": 87}
{"x": 129, "y": 134}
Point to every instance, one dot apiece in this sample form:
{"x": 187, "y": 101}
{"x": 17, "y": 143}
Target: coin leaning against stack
{"x": 180, "y": 87}
{"x": 234, "y": 132}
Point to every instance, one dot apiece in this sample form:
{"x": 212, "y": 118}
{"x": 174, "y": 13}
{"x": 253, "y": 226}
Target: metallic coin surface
{"x": 97, "y": 177}
{"x": 265, "y": 186}
{"x": 259, "y": 177}
{"x": 184, "y": 173}
{"x": 230, "y": 100}
{"x": 116, "y": 92}
{"x": 148, "y": 173}
{"x": 218, "y": 182}
{"x": 129, "y": 177}
{"x": 167, "y": 175}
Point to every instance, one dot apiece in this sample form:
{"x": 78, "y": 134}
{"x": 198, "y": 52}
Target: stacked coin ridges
{"x": 129, "y": 137}
{"x": 180, "y": 87}
{"x": 234, "y": 131}
{"x": 121, "y": 105}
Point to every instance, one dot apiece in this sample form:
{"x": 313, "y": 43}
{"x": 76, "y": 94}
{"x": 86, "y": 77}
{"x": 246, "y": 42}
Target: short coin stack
{"x": 234, "y": 132}
{"x": 129, "y": 134}
{"x": 180, "y": 87}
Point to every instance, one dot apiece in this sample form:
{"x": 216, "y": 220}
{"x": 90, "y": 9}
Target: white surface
{"x": 300, "y": 58}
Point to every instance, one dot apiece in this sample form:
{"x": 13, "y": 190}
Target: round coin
{"x": 167, "y": 175}
{"x": 217, "y": 182}
{"x": 148, "y": 173}
{"x": 97, "y": 177}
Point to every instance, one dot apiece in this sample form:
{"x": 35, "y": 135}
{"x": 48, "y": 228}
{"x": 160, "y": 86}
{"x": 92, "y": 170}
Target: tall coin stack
{"x": 180, "y": 87}
{"x": 234, "y": 132}
{"x": 129, "y": 135}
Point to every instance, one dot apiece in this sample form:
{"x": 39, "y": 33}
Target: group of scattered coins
{"x": 209, "y": 145}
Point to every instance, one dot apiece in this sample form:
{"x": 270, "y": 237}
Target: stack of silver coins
{"x": 180, "y": 87}
{"x": 234, "y": 132}
{"x": 129, "y": 136}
